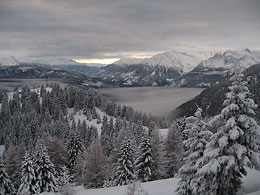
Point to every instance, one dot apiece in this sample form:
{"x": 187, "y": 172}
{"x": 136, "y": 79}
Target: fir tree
{"x": 234, "y": 145}
{"x": 44, "y": 171}
{"x": 75, "y": 148}
{"x": 6, "y": 187}
{"x": 197, "y": 137}
{"x": 125, "y": 164}
{"x": 63, "y": 183}
{"x": 144, "y": 164}
{"x": 28, "y": 179}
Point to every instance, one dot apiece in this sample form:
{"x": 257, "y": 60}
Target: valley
{"x": 160, "y": 101}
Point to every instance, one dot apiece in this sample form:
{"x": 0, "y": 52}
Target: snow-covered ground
{"x": 251, "y": 185}
{"x": 82, "y": 117}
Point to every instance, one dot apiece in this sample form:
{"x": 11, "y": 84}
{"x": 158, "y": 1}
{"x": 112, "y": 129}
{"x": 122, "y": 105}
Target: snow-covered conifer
{"x": 75, "y": 148}
{"x": 28, "y": 179}
{"x": 44, "y": 170}
{"x": 197, "y": 137}
{"x": 234, "y": 145}
{"x": 6, "y": 187}
{"x": 125, "y": 164}
{"x": 144, "y": 164}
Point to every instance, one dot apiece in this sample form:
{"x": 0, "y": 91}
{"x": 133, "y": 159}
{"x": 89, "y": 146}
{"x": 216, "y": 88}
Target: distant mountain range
{"x": 32, "y": 71}
{"x": 177, "y": 68}
{"x": 182, "y": 69}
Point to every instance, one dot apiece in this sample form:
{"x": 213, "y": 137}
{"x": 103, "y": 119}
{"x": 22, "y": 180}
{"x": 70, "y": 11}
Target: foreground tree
{"x": 197, "y": 137}
{"x": 144, "y": 164}
{"x": 28, "y": 179}
{"x": 44, "y": 171}
{"x": 125, "y": 164}
{"x": 234, "y": 146}
{"x": 6, "y": 187}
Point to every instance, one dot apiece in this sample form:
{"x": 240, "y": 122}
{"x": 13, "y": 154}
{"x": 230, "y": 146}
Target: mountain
{"x": 218, "y": 67}
{"x": 32, "y": 71}
{"x": 159, "y": 70}
{"x": 229, "y": 58}
{"x": 8, "y": 61}
{"x": 78, "y": 68}
{"x": 54, "y": 63}
{"x": 211, "y": 99}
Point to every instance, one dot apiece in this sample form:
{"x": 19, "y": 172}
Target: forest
{"x": 47, "y": 150}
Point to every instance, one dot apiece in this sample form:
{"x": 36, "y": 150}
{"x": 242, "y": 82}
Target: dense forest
{"x": 47, "y": 149}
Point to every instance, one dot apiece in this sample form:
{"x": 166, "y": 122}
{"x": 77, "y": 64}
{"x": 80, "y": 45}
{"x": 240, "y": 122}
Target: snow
{"x": 227, "y": 59}
{"x": 82, "y": 117}
{"x": 8, "y": 61}
{"x": 251, "y": 185}
{"x": 2, "y": 149}
{"x": 181, "y": 61}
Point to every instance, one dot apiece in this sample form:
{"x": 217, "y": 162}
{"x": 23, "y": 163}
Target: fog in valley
{"x": 160, "y": 101}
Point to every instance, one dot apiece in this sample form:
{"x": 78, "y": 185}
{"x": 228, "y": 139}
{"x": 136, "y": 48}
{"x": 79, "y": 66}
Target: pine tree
{"x": 6, "y": 187}
{"x": 234, "y": 145}
{"x": 44, "y": 171}
{"x": 107, "y": 130}
{"x": 13, "y": 159}
{"x": 125, "y": 164}
{"x": 75, "y": 148}
{"x": 144, "y": 164}
{"x": 63, "y": 183}
{"x": 28, "y": 179}
{"x": 197, "y": 137}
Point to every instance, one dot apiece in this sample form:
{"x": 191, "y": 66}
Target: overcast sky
{"x": 118, "y": 28}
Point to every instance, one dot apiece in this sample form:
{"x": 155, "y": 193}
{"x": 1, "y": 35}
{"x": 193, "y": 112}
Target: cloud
{"x": 91, "y": 29}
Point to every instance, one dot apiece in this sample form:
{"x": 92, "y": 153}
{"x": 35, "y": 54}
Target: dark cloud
{"x": 91, "y": 29}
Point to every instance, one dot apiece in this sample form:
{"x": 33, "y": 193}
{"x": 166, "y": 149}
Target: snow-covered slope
{"x": 227, "y": 59}
{"x": 8, "y": 61}
{"x": 251, "y": 186}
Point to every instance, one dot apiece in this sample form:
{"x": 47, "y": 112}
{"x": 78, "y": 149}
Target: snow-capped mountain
{"x": 161, "y": 69}
{"x": 229, "y": 58}
{"x": 182, "y": 62}
{"x": 218, "y": 67}
{"x": 8, "y": 61}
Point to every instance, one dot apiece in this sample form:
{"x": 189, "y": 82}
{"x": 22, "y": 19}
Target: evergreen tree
{"x": 75, "y": 148}
{"x": 125, "y": 164}
{"x": 63, "y": 183}
{"x": 57, "y": 152}
{"x": 44, "y": 171}
{"x": 198, "y": 136}
{"x": 13, "y": 159}
{"x": 28, "y": 180}
{"x": 144, "y": 164}
{"x": 6, "y": 187}
{"x": 107, "y": 130}
{"x": 234, "y": 146}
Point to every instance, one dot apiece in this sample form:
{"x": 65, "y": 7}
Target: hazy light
{"x": 97, "y": 61}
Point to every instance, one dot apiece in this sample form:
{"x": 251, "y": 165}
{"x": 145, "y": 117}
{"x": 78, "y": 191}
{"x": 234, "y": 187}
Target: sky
{"x": 102, "y": 31}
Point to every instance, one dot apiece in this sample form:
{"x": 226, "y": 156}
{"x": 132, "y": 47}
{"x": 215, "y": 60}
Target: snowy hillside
{"x": 251, "y": 186}
{"x": 227, "y": 59}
